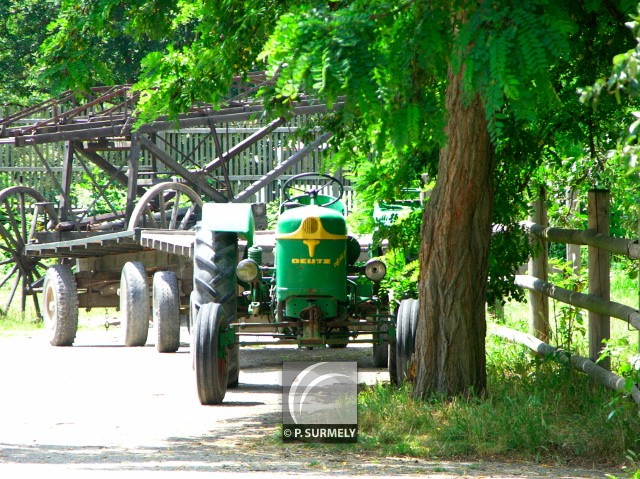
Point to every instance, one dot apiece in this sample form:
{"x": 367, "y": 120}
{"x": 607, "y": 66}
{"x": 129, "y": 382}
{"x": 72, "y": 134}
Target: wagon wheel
{"x": 23, "y": 212}
{"x": 169, "y": 205}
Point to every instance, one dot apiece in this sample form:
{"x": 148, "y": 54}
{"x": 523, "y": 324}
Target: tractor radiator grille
{"x": 310, "y": 225}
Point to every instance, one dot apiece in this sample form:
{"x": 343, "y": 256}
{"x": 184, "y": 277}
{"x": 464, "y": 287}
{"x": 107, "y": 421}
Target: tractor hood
{"x": 311, "y": 250}
{"x": 311, "y": 222}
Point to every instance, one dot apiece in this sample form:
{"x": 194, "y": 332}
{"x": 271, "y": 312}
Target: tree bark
{"x": 454, "y": 256}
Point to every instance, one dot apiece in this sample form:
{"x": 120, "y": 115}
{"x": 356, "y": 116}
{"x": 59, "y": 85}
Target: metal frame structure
{"x": 91, "y": 125}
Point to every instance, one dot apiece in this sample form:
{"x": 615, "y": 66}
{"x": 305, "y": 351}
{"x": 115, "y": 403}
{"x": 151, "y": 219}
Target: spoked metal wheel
{"x": 169, "y": 205}
{"x": 23, "y": 213}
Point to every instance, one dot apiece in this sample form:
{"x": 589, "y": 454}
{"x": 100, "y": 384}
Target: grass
{"x": 536, "y": 410}
{"x": 14, "y": 322}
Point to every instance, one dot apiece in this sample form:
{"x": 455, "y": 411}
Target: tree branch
{"x": 392, "y": 12}
{"x": 615, "y": 13}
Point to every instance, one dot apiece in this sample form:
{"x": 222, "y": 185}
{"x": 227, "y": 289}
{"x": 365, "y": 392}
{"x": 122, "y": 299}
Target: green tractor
{"x": 314, "y": 293}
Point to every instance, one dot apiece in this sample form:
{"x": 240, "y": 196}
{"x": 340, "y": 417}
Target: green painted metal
{"x": 226, "y": 339}
{"x": 328, "y": 306}
{"x": 311, "y": 258}
{"x": 388, "y": 213}
{"x": 229, "y": 217}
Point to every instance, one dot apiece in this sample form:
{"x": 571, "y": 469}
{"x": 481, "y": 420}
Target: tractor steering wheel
{"x": 323, "y": 181}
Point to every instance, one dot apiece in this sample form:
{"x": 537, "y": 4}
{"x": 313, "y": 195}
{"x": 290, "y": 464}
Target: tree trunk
{"x": 454, "y": 256}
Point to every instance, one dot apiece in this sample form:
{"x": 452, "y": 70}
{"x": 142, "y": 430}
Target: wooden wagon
{"x": 130, "y": 244}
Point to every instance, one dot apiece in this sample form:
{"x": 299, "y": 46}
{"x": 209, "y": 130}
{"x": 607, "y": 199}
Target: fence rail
{"x": 589, "y": 237}
{"x": 586, "y": 365}
{"x": 581, "y": 300}
{"x": 24, "y": 166}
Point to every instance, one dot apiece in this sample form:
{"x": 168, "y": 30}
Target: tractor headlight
{"x": 375, "y": 270}
{"x": 247, "y": 270}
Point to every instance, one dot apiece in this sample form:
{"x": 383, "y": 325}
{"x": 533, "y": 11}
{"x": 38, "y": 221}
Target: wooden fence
{"x": 600, "y": 246}
{"x": 22, "y": 165}
{"x": 597, "y": 302}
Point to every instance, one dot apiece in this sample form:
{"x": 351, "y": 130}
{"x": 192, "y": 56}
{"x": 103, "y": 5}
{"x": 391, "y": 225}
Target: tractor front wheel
{"x": 381, "y": 350}
{"x": 234, "y": 367}
{"x": 393, "y": 368}
{"x": 214, "y": 281}
{"x": 210, "y": 358}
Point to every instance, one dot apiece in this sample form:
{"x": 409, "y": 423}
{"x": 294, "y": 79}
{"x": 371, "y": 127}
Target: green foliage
{"x": 569, "y": 320}
{"x": 387, "y": 66}
{"x": 98, "y": 198}
{"x": 375, "y": 60}
{"x": 403, "y": 234}
{"x": 507, "y": 48}
{"x": 23, "y": 26}
{"x": 101, "y": 42}
{"x": 617, "y": 168}
{"x": 625, "y": 364}
{"x": 402, "y": 276}
{"x": 510, "y": 248}
{"x": 227, "y": 38}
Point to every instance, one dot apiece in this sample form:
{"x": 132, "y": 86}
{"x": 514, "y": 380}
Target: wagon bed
{"x": 177, "y": 242}
{"x": 88, "y": 245}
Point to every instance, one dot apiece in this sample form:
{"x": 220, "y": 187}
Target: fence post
{"x": 538, "y": 267}
{"x": 599, "y": 266}
{"x": 573, "y": 250}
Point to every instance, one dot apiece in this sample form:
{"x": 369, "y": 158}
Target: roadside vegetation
{"x": 15, "y": 322}
{"x": 535, "y": 409}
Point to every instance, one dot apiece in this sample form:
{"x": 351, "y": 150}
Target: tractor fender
{"x": 229, "y": 218}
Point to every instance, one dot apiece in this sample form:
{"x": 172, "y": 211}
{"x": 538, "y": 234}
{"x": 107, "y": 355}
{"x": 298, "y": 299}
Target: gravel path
{"x": 100, "y": 410}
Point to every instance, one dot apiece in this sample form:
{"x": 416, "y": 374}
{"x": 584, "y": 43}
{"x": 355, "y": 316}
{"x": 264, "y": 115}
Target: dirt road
{"x": 100, "y": 410}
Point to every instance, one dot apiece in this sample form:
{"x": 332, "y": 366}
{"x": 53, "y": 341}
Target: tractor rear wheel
{"x": 214, "y": 281}
{"x": 134, "y": 304}
{"x": 406, "y": 337}
{"x": 166, "y": 311}
{"x": 60, "y": 305}
{"x": 393, "y": 368}
{"x": 211, "y": 361}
